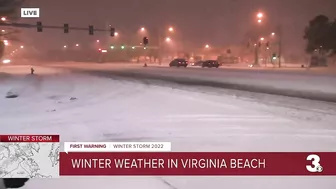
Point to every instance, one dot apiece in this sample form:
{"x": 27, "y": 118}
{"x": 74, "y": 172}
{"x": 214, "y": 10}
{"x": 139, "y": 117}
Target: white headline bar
{"x": 117, "y": 147}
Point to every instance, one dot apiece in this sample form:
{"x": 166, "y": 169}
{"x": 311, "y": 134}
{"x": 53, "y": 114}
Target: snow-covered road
{"x": 86, "y": 108}
{"x": 313, "y": 84}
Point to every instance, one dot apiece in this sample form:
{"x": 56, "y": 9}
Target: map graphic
{"x": 29, "y": 160}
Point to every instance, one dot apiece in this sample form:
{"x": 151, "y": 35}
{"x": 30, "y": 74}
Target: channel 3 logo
{"x": 315, "y": 165}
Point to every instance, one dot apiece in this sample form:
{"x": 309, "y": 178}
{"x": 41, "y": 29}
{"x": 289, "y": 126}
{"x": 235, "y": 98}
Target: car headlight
{"x": 6, "y": 61}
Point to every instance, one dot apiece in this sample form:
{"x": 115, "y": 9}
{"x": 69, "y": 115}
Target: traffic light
{"x": 145, "y": 41}
{"x": 39, "y": 27}
{"x": 112, "y": 30}
{"x": 90, "y": 30}
{"x": 66, "y": 28}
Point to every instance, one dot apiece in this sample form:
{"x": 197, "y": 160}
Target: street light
{"x": 64, "y": 46}
{"x": 273, "y": 34}
{"x": 21, "y": 46}
{"x": 171, "y": 29}
{"x": 259, "y": 21}
{"x": 97, "y": 40}
{"x": 77, "y": 45}
{"x": 168, "y": 39}
{"x": 133, "y": 47}
{"x": 207, "y": 46}
{"x": 142, "y": 29}
{"x": 262, "y": 39}
{"x": 3, "y": 19}
{"x": 2, "y": 30}
{"x": 260, "y": 15}
{"x": 116, "y": 33}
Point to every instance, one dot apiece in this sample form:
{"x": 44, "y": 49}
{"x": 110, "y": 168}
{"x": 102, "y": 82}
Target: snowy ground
{"x": 193, "y": 119}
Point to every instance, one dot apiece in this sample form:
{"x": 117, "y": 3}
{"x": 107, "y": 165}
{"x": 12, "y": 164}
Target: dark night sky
{"x": 217, "y": 22}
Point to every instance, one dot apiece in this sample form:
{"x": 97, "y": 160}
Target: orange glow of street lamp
{"x": 260, "y": 15}
{"x": 97, "y": 40}
{"x": 273, "y": 33}
{"x": 77, "y": 45}
{"x": 64, "y": 46}
{"x": 142, "y": 29}
{"x": 168, "y": 39}
{"x": 262, "y": 39}
{"x": 171, "y": 29}
{"x": 259, "y": 21}
{"x": 207, "y": 46}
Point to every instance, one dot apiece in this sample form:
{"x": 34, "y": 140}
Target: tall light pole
{"x": 280, "y": 44}
{"x": 259, "y": 17}
{"x": 171, "y": 30}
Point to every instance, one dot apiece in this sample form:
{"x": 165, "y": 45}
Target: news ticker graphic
{"x": 117, "y": 147}
{"x": 29, "y": 156}
{"x": 40, "y": 156}
{"x": 198, "y": 164}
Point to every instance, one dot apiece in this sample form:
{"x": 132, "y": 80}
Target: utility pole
{"x": 280, "y": 44}
{"x": 256, "y": 55}
{"x": 159, "y": 46}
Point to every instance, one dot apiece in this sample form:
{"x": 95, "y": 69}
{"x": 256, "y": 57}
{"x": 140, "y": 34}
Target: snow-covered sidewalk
{"x": 87, "y": 108}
